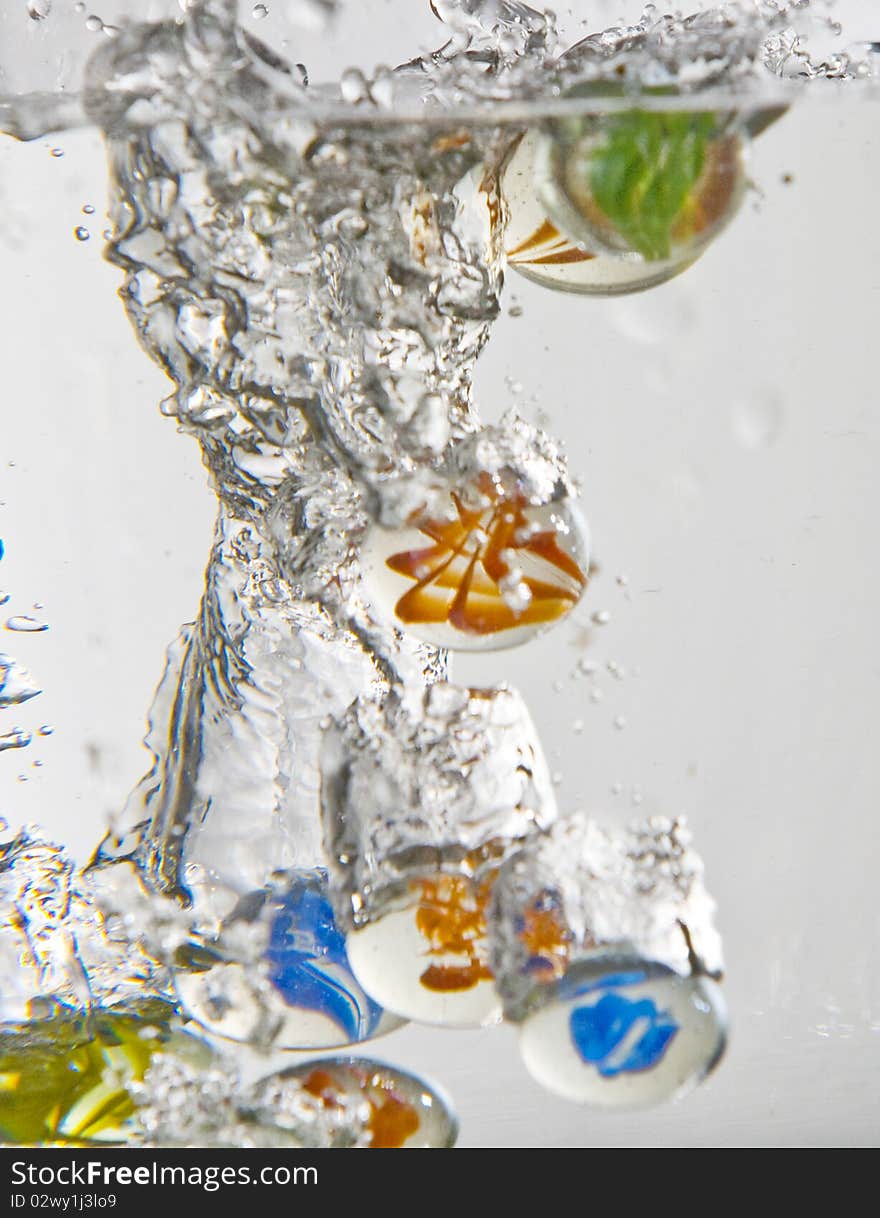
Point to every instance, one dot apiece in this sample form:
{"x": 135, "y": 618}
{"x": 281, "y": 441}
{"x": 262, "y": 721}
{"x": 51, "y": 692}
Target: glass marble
{"x": 413, "y": 890}
{"x": 623, "y": 1032}
{"x": 593, "y": 207}
{"x": 429, "y": 959}
{"x": 487, "y": 570}
{"x": 397, "y": 1110}
{"x": 297, "y": 990}
{"x": 64, "y": 1079}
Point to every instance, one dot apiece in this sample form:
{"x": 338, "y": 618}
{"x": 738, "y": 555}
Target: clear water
{"x": 318, "y": 279}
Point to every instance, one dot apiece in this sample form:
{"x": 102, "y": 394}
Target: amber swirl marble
{"x": 497, "y": 554}
{"x": 423, "y": 798}
{"x": 389, "y": 1108}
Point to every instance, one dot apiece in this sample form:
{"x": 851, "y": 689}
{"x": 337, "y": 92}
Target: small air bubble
{"x": 39, "y": 10}
{"x": 94, "y": 24}
{"x": 46, "y": 729}
{"x": 601, "y": 617}
{"x": 88, "y": 210}
{"x": 57, "y": 152}
{"x": 556, "y": 779}
{"x": 81, "y": 234}
{"x": 515, "y": 311}
{"x": 259, "y": 12}
{"x": 620, "y": 722}
{"x": 578, "y": 726}
{"x": 596, "y": 695}
{"x": 4, "y": 597}
{"x": 616, "y": 788}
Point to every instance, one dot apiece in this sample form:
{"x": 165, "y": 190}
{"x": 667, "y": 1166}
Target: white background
{"x": 726, "y": 428}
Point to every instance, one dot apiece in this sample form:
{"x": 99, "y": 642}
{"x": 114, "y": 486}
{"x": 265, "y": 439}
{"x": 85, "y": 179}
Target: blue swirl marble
{"x": 620, "y": 1035}
{"x": 308, "y": 964}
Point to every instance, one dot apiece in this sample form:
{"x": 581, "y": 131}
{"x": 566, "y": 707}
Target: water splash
{"x": 318, "y": 275}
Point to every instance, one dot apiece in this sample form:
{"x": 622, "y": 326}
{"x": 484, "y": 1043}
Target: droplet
{"x": 81, "y": 233}
{"x": 260, "y": 11}
{"x": 24, "y": 624}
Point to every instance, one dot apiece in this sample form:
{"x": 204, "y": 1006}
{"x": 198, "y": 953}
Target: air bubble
{"x": 18, "y": 738}
{"x": 259, "y": 12}
{"x": 39, "y": 10}
{"x": 88, "y": 210}
{"x": 94, "y": 24}
{"x": 23, "y": 624}
{"x": 81, "y": 233}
